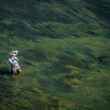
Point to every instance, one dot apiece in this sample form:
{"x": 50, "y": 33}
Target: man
{"x": 13, "y": 60}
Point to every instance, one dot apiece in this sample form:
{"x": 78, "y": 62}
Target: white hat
{"x": 14, "y": 52}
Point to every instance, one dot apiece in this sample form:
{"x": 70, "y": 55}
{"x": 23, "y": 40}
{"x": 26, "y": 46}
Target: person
{"x": 13, "y": 60}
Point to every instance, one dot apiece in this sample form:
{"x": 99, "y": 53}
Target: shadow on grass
{"x": 5, "y": 71}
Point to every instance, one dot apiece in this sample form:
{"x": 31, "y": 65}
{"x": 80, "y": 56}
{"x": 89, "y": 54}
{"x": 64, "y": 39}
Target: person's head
{"x": 14, "y": 53}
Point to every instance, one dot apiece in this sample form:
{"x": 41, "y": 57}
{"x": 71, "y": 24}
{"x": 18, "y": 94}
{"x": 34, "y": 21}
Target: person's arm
{"x": 16, "y": 58}
{"x": 10, "y": 60}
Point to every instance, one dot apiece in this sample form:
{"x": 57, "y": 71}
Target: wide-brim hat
{"x": 14, "y": 52}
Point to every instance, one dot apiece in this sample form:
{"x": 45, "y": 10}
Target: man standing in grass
{"x": 13, "y": 60}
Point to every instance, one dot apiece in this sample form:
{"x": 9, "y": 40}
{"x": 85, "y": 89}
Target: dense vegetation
{"x": 64, "y": 51}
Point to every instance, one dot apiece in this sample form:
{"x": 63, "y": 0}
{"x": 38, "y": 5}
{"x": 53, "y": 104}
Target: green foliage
{"x": 64, "y": 51}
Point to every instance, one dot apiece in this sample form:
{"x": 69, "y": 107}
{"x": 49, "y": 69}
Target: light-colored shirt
{"x": 13, "y": 60}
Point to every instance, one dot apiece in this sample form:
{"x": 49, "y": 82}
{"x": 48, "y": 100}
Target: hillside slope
{"x": 64, "y": 51}
{"x": 48, "y": 18}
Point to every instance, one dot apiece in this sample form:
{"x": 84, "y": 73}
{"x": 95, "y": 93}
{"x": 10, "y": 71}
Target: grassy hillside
{"x": 64, "y": 52}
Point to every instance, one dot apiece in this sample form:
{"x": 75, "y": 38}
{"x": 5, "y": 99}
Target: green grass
{"x": 69, "y": 69}
{"x": 64, "y": 53}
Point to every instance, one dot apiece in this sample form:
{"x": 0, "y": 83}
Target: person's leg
{"x": 18, "y": 68}
{"x": 12, "y": 70}
{"x": 18, "y": 71}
